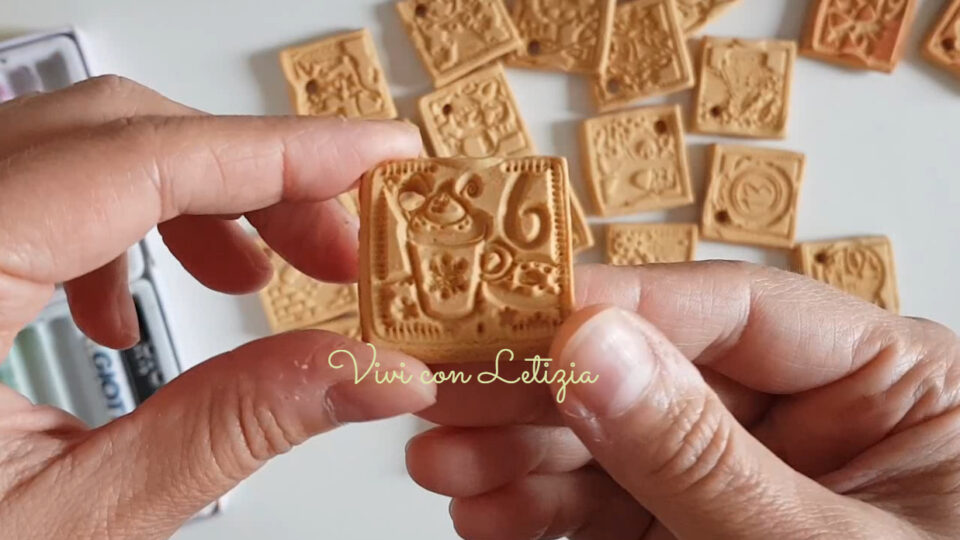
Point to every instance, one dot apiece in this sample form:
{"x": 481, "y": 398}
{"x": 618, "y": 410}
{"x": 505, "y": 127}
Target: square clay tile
{"x": 566, "y": 35}
{"x": 637, "y": 244}
{"x": 745, "y": 88}
{"x": 338, "y": 76}
{"x": 648, "y": 55}
{"x": 752, "y": 196}
{"x": 863, "y": 267}
{"x": 943, "y": 45}
{"x": 636, "y": 161}
{"x": 456, "y": 37}
{"x": 695, "y": 14}
{"x": 476, "y": 117}
{"x": 460, "y": 259}
{"x": 864, "y": 34}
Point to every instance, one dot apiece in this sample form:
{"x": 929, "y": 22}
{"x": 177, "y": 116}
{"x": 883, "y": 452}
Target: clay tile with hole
{"x": 572, "y": 36}
{"x": 476, "y": 117}
{"x": 863, "y": 267}
{"x": 645, "y": 33}
{"x": 744, "y": 88}
{"x": 338, "y": 76}
{"x": 456, "y": 38}
{"x": 752, "y": 196}
{"x": 460, "y": 259}
{"x": 942, "y": 47}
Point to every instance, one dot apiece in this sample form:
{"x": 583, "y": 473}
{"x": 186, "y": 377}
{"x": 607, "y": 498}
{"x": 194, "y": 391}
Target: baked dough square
{"x": 648, "y": 55}
{"x": 943, "y": 44}
{"x": 338, "y": 76}
{"x": 295, "y": 301}
{"x": 695, "y": 14}
{"x": 456, "y": 37}
{"x": 637, "y": 244}
{"x": 460, "y": 259}
{"x": 563, "y": 35}
{"x": 752, "y": 196}
{"x": 745, "y": 88}
{"x": 863, "y": 34}
{"x": 476, "y": 117}
{"x": 636, "y": 161}
{"x": 863, "y": 267}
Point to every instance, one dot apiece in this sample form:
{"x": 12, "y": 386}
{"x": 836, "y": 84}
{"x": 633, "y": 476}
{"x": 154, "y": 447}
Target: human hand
{"x": 84, "y": 174}
{"x": 733, "y": 402}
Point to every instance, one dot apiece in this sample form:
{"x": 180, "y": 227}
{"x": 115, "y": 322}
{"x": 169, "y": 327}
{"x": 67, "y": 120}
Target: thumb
{"x": 218, "y": 423}
{"x": 658, "y": 429}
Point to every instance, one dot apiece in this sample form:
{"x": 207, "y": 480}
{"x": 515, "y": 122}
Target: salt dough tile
{"x": 744, "y": 88}
{"x": 476, "y": 117}
{"x": 695, "y": 14}
{"x": 456, "y": 37}
{"x": 294, "y": 301}
{"x": 752, "y": 196}
{"x": 581, "y": 235}
{"x": 340, "y": 76}
{"x": 943, "y": 44}
{"x": 648, "y": 55}
{"x": 348, "y": 326}
{"x": 563, "y": 35}
{"x": 864, "y": 34}
{"x": 636, "y": 244}
{"x": 462, "y": 258}
{"x": 863, "y": 267}
{"x": 636, "y": 161}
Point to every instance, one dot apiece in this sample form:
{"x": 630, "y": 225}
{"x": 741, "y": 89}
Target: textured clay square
{"x": 581, "y": 235}
{"x": 632, "y": 245}
{"x": 476, "y": 117}
{"x": 648, "y": 55}
{"x": 865, "y": 34}
{"x": 745, "y": 88}
{"x": 752, "y": 196}
{"x": 294, "y": 301}
{"x": 943, "y": 45}
{"x": 456, "y": 37}
{"x": 637, "y": 161}
{"x": 563, "y": 35}
{"x": 338, "y": 76}
{"x": 695, "y": 14}
{"x": 863, "y": 267}
{"x": 462, "y": 258}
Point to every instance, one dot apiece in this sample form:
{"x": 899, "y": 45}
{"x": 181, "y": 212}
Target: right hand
{"x": 733, "y": 402}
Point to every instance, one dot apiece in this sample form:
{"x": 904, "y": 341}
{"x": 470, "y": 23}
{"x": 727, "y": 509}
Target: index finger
{"x": 128, "y": 176}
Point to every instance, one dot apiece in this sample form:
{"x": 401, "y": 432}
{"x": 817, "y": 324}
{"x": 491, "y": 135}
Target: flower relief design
{"x": 865, "y": 29}
{"x": 447, "y": 275}
{"x": 753, "y": 83}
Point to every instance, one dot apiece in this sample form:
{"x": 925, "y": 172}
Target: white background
{"x": 882, "y": 159}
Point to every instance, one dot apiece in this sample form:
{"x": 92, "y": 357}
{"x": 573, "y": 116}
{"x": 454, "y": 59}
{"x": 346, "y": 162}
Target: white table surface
{"x": 883, "y": 155}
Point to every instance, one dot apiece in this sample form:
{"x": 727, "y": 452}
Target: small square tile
{"x": 752, "y": 196}
{"x": 476, "y": 117}
{"x": 569, "y": 35}
{"x": 695, "y": 14}
{"x": 648, "y": 55}
{"x": 456, "y": 37}
{"x": 636, "y": 161}
{"x": 338, "y": 76}
{"x": 864, "y": 34}
{"x": 460, "y": 259}
{"x": 637, "y": 244}
{"x": 943, "y": 44}
{"x": 745, "y": 88}
{"x": 295, "y": 301}
{"x": 863, "y": 267}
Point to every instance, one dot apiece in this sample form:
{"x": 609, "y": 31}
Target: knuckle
{"x": 697, "y": 451}
{"x": 112, "y": 86}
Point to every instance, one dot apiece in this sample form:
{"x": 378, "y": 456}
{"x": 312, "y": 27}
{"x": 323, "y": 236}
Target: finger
{"x": 318, "y": 238}
{"x": 652, "y": 422}
{"x": 218, "y": 253}
{"x": 101, "y": 305}
{"x": 100, "y": 100}
{"x": 582, "y": 505}
{"x": 218, "y": 423}
{"x": 467, "y": 462}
